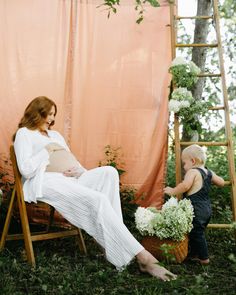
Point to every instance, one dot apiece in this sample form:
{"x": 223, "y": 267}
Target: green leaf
{"x": 139, "y": 20}
{"x": 153, "y": 3}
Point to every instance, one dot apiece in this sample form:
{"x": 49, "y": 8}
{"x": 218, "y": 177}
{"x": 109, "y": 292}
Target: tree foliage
{"x": 111, "y": 6}
{"x": 199, "y": 58}
{"x": 209, "y": 89}
{"x": 213, "y": 125}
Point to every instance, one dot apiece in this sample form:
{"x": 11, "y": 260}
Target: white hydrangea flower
{"x": 182, "y": 94}
{"x": 170, "y": 203}
{"x": 174, "y": 106}
{"x": 184, "y": 104}
{"x": 143, "y": 220}
{"x": 178, "y": 61}
{"x": 194, "y": 68}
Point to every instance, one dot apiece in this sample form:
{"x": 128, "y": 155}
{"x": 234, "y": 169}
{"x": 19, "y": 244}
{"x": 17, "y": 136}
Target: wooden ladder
{"x": 225, "y": 106}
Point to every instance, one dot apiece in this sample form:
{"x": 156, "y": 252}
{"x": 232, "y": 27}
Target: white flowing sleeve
{"x": 56, "y": 135}
{"x": 28, "y": 163}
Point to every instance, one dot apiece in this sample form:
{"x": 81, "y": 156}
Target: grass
{"x": 62, "y": 270}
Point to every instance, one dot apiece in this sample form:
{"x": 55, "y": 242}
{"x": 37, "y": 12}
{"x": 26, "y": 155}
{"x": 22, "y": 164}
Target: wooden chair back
{"x": 28, "y": 237}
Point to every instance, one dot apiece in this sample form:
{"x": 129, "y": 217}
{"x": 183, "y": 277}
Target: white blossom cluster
{"x": 172, "y": 202}
{"x": 191, "y": 67}
{"x": 194, "y": 68}
{"x": 178, "y": 61}
{"x": 184, "y": 76}
{"x": 180, "y": 98}
{"x": 173, "y": 221}
{"x": 143, "y": 220}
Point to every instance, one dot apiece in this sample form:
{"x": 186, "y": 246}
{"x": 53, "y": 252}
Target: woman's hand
{"x": 52, "y": 147}
{"x": 73, "y": 172}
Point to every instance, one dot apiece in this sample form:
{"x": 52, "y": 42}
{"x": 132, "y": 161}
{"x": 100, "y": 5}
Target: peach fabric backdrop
{"x": 109, "y": 78}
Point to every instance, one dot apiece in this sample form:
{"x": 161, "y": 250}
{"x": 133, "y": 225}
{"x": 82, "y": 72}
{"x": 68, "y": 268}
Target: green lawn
{"x": 62, "y": 270}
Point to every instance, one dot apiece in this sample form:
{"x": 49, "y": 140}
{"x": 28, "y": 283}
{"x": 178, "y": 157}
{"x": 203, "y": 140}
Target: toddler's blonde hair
{"x": 196, "y": 152}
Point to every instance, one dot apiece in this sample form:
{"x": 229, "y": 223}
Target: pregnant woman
{"x": 89, "y": 199}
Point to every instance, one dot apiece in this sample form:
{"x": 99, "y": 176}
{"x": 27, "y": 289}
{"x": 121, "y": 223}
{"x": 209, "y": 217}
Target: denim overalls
{"x": 202, "y": 211}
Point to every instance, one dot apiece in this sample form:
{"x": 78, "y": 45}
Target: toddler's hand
{"x": 169, "y": 190}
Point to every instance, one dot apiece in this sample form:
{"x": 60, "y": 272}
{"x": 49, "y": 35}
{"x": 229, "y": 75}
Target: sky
{"x": 189, "y": 8}
{"x": 186, "y": 7}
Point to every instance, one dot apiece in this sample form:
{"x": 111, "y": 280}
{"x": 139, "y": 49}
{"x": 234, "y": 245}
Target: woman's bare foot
{"x": 148, "y": 263}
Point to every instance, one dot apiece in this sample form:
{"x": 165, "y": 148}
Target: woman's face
{"x": 49, "y": 119}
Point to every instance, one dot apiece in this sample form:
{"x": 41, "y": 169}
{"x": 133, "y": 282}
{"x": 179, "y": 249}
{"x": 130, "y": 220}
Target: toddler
{"x": 196, "y": 187}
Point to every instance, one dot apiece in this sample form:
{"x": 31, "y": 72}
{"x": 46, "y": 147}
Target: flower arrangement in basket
{"x": 165, "y": 231}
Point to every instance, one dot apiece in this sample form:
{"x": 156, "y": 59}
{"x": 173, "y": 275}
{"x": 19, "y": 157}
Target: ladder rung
{"x": 217, "y": 108}
{"x": 219, "y": 225}
{"x": 194, "y": 17}
{"x": 196, "y": 45}
{"x": 209, "y": 75}
{"x": 206, "y": 143}
{"x": 228, "y": 182}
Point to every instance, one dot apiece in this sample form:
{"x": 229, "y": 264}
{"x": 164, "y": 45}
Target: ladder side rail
{"x": 228, "y": 130}
{"x": 225, "y": 107}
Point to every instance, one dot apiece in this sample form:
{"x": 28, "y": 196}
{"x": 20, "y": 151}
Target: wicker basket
{"x": 177, "y": 251}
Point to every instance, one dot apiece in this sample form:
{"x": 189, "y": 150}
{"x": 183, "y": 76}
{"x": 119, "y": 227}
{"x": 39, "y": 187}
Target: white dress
{"x": 91, "y": 202}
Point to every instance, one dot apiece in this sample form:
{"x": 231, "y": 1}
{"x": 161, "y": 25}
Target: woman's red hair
{"x": 36, "y": 113}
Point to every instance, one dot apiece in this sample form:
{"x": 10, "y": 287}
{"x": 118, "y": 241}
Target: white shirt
{"x": 32, "y": 159}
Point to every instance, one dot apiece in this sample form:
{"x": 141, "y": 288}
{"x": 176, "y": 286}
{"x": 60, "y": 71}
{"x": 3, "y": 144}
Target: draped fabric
{"x": 108, "y": 77}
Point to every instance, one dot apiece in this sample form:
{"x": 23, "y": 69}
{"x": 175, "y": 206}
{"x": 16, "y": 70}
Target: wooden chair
{"x": 28, "y": 237}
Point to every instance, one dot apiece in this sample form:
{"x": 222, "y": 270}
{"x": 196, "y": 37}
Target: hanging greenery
{"x": 111, "y": 6}
{"x": 184, "y": 74}
{"x": 182, "y": 103}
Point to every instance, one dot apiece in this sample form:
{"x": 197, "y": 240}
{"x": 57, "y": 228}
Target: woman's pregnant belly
{"x": 61, "y": 160}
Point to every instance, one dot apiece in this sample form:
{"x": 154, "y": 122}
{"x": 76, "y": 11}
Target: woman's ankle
{"x": 144, "y": 257}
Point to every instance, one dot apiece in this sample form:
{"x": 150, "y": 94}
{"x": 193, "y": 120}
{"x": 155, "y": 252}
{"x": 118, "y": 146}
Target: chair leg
{"x": 26, "y": 231}
{"x": 80, "y": 240}
{"x": 51, "y": 218}
{"x": 8, "y": 220}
